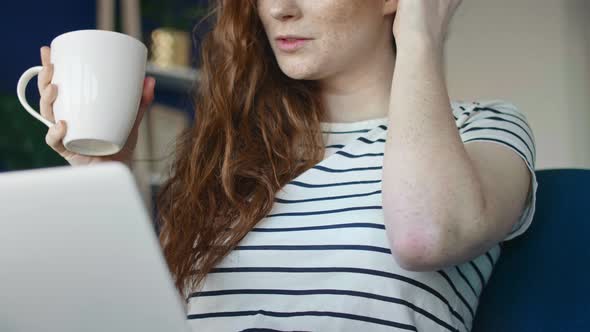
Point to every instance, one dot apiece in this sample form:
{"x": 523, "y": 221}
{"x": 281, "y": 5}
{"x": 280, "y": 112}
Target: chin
{"x": 299, "y": 76}
{"x": 300, "y": 71}
{"x": 304, "y": 75}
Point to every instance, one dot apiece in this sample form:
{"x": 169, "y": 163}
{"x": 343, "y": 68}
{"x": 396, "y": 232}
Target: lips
{"x": 290, "y": 43}
{"x": 291, "y": 37}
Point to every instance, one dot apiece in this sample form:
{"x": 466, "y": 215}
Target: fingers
{"x": 46, "y": 103}
{"x": 46, "y": 73}
{"x": 45, "y": 55}
{"x": 54, "y": 137}
{"x": 47, "y": 91}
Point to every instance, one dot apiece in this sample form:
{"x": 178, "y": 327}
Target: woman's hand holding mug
{"x": 94, "y": 94}
{"x": 57, "y": 132}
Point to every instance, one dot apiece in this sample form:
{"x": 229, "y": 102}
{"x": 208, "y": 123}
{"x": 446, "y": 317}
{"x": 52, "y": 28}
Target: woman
{"x": 326, "y": 183}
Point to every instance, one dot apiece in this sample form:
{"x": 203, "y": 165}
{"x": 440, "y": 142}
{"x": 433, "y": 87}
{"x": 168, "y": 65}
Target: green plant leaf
{"x": 22, "y": 139}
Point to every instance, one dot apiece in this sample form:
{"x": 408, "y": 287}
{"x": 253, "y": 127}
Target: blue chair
{"x": 542, "y": 279}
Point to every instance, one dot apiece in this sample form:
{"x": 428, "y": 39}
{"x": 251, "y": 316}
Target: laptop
{"x": 78, "y": 252}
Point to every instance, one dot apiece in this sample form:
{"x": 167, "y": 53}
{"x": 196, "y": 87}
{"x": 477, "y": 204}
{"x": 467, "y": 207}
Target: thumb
{"x": 147, "y": 95}
{"x": 147, "y": 98}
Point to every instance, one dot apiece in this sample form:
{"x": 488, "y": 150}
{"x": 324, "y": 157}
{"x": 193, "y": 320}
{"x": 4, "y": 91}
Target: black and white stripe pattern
{"x": 320, "y": 260}
{"x": 500, "y": 122}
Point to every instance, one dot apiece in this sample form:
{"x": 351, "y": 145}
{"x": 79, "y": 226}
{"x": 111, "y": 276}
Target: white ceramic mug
{"x": 99, "y": 77}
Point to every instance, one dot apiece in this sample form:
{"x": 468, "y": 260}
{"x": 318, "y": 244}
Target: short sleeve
{"x": 501, "y": 122}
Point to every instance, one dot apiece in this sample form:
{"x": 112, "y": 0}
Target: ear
{"x": 389, "y": 7}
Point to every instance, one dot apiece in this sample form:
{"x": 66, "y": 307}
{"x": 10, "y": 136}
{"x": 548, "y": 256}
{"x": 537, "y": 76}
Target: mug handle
{"x": 21, "y": 86}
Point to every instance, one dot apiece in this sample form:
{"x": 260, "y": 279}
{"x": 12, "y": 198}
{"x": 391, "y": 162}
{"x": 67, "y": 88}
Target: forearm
{"x": 429, "y": 186}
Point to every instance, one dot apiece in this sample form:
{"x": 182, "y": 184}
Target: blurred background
{"x": 172, "y": 34}
{"x": 534, "y": 53}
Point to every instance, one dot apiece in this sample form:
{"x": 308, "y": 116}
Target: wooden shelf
{"x": 177, "y": 79}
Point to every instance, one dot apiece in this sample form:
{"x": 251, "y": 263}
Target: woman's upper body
{"x": 321, "y": 260}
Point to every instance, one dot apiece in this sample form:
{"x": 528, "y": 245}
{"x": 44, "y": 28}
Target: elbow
{"x": 417, "y": 250}
{"x": 431, "y": 244}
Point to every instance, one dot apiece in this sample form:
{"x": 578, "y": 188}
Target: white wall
{"x": 536, "y": 54}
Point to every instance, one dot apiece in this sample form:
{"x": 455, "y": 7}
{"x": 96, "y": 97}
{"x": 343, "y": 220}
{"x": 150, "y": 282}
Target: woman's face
{"x": 340, "y": 33}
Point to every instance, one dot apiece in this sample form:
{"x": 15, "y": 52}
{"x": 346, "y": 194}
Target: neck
{"x": 363, "y": 91}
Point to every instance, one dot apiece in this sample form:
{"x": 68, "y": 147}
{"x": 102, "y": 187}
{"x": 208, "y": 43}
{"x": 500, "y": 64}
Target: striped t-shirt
{"x": 320, "y": 260}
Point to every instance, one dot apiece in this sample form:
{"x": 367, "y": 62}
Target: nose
{"x": 283, "y": 10}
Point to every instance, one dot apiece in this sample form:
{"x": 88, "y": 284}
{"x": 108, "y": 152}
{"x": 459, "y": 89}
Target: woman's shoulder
{"x": 469, "y": 107}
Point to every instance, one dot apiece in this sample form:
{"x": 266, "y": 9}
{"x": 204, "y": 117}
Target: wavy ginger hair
{"x": 255, "y": 129}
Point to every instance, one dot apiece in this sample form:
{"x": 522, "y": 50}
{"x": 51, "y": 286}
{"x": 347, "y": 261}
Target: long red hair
{"x": 255, "y": 129}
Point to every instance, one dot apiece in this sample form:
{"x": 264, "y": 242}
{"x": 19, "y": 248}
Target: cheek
{"x": 341, "y": 21}
{"x": 338, "y": 15}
